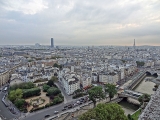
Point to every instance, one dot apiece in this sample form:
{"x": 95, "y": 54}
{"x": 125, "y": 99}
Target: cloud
{"x": 81, "y": 22}
{"x": 27, "y": 7}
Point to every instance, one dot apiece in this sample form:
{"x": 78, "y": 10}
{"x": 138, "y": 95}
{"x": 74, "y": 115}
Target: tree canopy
{"x": 20, "y": 103}
{"x": 111, "y": 90}
{"x": 110, "y": 111}
{"x": 45, "y": 87}
{"x": 96, "y": 93}
{"x": 26, "y": 85}
{"x": 140, "y": 63}
{"x": 31, "y": 92}
{"x": 53, "y": 91}
{"x": 58, "y": 66}
{"x": 15, "y": 94}
{"x": 144, "y": 98}
{"x": 54, "y": 78}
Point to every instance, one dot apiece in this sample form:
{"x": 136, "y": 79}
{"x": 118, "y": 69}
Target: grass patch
{"x": 135, "y": 116}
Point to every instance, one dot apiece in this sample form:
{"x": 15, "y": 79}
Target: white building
{"x": 71, "y": 82}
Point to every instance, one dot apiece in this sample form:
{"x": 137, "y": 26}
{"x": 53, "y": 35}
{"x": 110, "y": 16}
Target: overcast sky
{"x": 80, "y": 22}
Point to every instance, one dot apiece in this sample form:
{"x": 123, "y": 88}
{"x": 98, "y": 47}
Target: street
{"x": 4, "y": 111}
{"x": 67, "y": 98}
{"x": 39, "y": 115}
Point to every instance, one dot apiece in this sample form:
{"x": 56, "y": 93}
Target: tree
{"x": 31, "y": 92}
{"x": 45, "y": 87}
{"x": 27, "y": 85}
{"x": 77, "y": 91}
{"x": 144, "y": 98}
{"x": 110, "y": 111}
{"x": 89, "y": 115}
{"x": 20, "y": 103}
{"x": 53, "y": 91}
{"x": 54, "y": 78}
{"x": 140, "y": 63}
{"x": 130, "y": 117}
{"x": 50, "y": 83}
{"x": 58, "y": 66}
{"x": 55, "y": 65}
{"x": 96, "y": 93}
{"x": 111, "y": 90}
{"x": 15, "y": 94}
{"x": 55, "y": 74}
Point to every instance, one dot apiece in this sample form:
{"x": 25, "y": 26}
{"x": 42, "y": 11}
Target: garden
{"x": 28, "y": 98}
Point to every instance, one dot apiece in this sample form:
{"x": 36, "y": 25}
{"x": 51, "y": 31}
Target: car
{"x": 55, "y": 112}
{"x": 69, "y": 106}
{"x": 64, "y": 109}
{"x": 82, "y": 98}
{"x": 84, "y": 101}
{"x": 75, "y": 104}
{"x": 65, "y": 106}
{"x": 46, "y": 116}
{"x": 78, "y": 102}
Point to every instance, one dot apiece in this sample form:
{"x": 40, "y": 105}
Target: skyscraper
{"x": 52, "y": 43}
{"x": 134, "y": 45}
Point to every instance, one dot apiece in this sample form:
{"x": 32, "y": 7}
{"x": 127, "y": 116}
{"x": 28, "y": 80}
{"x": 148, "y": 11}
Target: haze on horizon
{"x": 80, "y": 22}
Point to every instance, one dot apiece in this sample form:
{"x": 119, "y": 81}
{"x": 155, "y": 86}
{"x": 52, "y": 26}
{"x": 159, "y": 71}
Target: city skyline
{"x": 79, "y": 22}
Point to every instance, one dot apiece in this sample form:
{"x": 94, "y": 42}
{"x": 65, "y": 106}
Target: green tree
{"x": 144, "y": 98}
{"x": 20, "y": 103}
{"x": 111, "y": 90}
{"x": 96, "y": 93}
{"x": 110, "y": 111}
{"x": 50, "y": 83}
{"x": 55, "y": 65}
{"x": 53, "y": 91}
{"x": 54, "y": 79}
{"x": 15, "y": 94}
{"x": 77, "y": 91}
{"x": 130, "y": 117}
{"x": 45, "y": 87}
{"x": 89, "y": 115}
{"x": 140, "y": 63}
{"x": 27, "y": 85}
{"x": 57, "y": 99}
{"x": 31, "y": 92}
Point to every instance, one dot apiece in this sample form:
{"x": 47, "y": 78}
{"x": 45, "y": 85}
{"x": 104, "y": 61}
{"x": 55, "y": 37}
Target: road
{"x": 67, "y": 98}
{"x": 4, "y": 112}
{"x": 39, "y": 115}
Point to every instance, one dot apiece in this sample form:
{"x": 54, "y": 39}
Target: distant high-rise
{"x": 52, "y": 42}
{"x": 134, "y": 45}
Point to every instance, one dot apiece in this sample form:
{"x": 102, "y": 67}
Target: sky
{"x": 80, "y": 22}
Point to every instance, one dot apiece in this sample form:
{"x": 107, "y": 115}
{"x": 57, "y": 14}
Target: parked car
{"x": 75, "y": 104}
{"x": 78, "y": 102}
{"x": 64, "y": 109}
{"x": 69, "y": 106}
{"x": 65, "y": 106}
{"x": 46, "y": 116}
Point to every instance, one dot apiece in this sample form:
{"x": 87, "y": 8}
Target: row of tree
{"x": 31, "y": 92}
{"x": 26, "y": 85}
